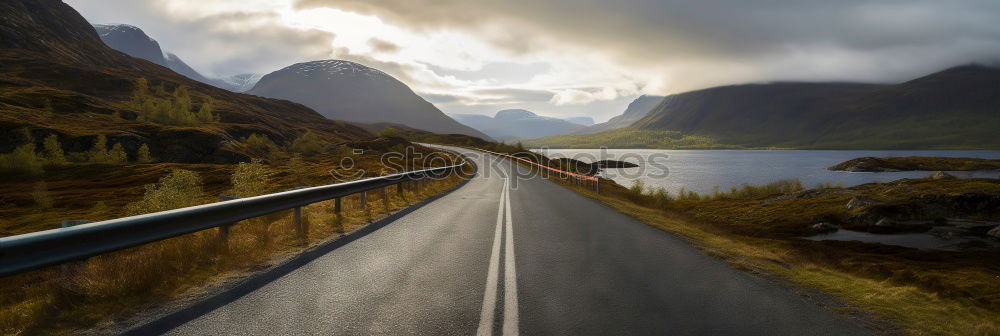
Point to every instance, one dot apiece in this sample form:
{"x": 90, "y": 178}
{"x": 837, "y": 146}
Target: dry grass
{"x": 59, "y": 300}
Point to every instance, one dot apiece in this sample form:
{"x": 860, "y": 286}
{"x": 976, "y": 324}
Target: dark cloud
{"x": 735, "y": 40}
{"x": 383, "y": 46}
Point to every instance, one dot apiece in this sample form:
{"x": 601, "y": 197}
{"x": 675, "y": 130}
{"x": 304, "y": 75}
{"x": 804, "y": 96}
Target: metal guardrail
{"x": 31, "y": 251}
{"x": 589, "y": 181}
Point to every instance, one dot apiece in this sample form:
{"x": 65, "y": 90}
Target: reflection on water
{"x": 700, "y": 170}
{"x": 921, "y": 241}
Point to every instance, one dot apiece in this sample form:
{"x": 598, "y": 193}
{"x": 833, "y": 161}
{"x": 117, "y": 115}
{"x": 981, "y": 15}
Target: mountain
{"x": 951, "y": 109}
{"x": 242, "y": 82}
{"x": 60, "y": 79}
{"x": 349, "y": 91}
{"x": 517, "y": 124}
{"x": 954, "y": 108}
{"x": 585, "y": 121}
{"x": 133, "y": 41}
{"x": 637, "y": 109}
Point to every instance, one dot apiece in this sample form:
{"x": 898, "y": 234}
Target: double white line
{"x": 486, "y": 317}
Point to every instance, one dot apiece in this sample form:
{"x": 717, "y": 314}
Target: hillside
{"x": 134, "y": 42}
{"x": 58, "y": 78}
{"x": 342, "y": 90}
{"x": 509, "y": 125}
{"x": 637, "y": 109}
{"x": 955, "y": 108}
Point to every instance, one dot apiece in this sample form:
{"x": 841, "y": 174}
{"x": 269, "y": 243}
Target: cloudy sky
{"x": 568, "y": 58}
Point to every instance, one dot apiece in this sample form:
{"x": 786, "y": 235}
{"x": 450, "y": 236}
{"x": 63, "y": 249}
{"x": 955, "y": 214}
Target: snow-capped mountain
{"x": 518, "y": 124}
{"x": 343, "y": 90}
{"x": 242, "y": 82}
{"x": 134, "y": 42}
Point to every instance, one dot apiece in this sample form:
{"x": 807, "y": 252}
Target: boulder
{"x": 824, "y": 227}
{"x": 860, "y": 202}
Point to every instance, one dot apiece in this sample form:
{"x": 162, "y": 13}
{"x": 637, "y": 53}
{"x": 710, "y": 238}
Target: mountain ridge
{"x": 344, "y": 90}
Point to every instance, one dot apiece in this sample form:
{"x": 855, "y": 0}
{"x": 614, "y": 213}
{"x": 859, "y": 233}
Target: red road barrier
{"x": 583, "y": 178}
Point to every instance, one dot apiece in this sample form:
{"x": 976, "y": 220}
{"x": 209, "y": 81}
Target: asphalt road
{"x": 508, "y": 256}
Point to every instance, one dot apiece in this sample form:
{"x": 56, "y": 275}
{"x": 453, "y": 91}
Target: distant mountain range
{"x": 133, "y": 41}
{"x": 585, "y": 121}
{"x": 343, "y": 90}
{"x": 59, "y": 78}
{"x": 635, "y": 111}
{"x": 509, "y": 125}
{"x": 951, "y": 109}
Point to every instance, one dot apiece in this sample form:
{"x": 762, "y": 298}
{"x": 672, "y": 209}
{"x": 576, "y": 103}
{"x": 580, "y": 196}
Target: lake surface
{"x": 701, "y": 170}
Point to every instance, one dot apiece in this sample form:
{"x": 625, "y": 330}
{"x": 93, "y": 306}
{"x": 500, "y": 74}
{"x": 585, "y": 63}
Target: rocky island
{"x": 916, "y": 163}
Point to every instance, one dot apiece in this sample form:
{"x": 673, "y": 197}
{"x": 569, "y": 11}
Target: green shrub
{"x": 260, "y": 145}
{"x": 143, "y": 154}
{"x": 249, "y": 179}
{"x": 308, "y": 143}
{"x": 23, "y": 159}
{"x": 99, "y": 152}
{"x": 179, "y": 189}
{"x": 53, "y": 150}
{"x": 117, "y": 155}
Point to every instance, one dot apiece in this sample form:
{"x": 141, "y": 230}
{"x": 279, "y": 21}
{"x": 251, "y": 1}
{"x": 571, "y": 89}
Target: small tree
{"x": 180, "y": 189}
{"x": 205, "y": 113}
{"x": 143, "y": 154}
{"x": 99, "y": 152}
{"x": 117, "y": 155}
{"x": 260, "y": 144}
{"x": 22, "y": 159}
{"x": 53, "y": 150}
{"x": 250, "y": 179}
{"x": 308, "y": 143}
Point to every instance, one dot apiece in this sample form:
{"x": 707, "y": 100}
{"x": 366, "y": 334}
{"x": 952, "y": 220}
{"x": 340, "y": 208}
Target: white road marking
{"x": 510, "y": 317}
{"x": 490, "y": 296}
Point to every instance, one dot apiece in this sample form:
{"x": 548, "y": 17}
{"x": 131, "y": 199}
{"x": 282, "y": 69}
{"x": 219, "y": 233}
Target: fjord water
{"x": 701, "y": 170}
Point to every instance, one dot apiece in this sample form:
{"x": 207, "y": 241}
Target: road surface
{"x": 505, "y": 257}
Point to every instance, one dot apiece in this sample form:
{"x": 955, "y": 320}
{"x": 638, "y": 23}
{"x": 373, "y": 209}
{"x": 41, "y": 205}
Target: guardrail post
{"x": 299, "y": 227}
{"x": 416, "y": 186}
{"x": 361, "y": 199}
{"x": 385, "y": 199}
{"x": 224, "y": 229}
{"x": 68, "y": 269}
{"x": 399, "y": 189}
{"x": 336, "y": 205}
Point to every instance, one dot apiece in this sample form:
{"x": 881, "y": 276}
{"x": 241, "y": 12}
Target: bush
{"x": 249, "y": 179}
{"x": 260, "y": 145}
{"x": 180, "y": 189}
{"x": 308, "y": 144}
{"x": 23, "y": 159}
{"x": 143, "y": 154}
{"x": 53, "y": 150}
{"x": 99, "y": 152}
{"x": 117, "y": 155}
{"x": 174, "y": 109}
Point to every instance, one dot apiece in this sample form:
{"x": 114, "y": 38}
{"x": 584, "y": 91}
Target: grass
{"x": 909, "y": 291}
{"x": 112, "y": 287}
